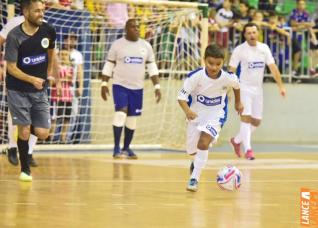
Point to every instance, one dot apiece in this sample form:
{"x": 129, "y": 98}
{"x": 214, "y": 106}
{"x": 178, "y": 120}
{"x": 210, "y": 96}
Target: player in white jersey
{"x": 206, "y": 89}
{"x": 253, "y": 56}
{"x": 127, "y": 60}
{"x": 12, "y": 150}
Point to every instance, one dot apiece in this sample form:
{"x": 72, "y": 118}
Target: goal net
{"x": 177, "y": 34}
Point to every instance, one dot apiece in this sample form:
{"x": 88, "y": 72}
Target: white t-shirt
{"x": 209, "y": 96}
{"x": 13, "y": 22}
{"x": 131, "y": 58}
{"x": 76, "y": 58}
{"x": 223, "y": 16}
{"x": 253, "y": 60}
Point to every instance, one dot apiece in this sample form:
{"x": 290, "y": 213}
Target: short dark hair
{"x": 214, "y": 51}
{"x": 249, "y": 24}
{"x": 26, "y": 3}
{"x": 129, "y": 21}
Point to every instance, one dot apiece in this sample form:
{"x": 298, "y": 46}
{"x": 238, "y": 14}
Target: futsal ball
{"x": 229, "y": 178}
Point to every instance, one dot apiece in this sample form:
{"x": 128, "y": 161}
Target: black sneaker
{"x": 12, "y": 156}
{"x": 31, "y": 161}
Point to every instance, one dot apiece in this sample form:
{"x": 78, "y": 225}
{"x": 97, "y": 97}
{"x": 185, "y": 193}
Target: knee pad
{"x": 119, "y": 119}
{"x": 131, "y": 122}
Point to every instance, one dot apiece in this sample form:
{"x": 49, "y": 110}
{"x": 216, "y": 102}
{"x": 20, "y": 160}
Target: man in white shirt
{"x": 12, "y": 149}
{"x": 127, "y": 60}
{"x": 253, "y": 57}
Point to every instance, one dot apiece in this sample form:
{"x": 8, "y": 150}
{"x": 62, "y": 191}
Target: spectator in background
{"x": 314, "y": 53}
{"x": 267, "y": 6}
{"x": 76, "y": 60}
{"x": 300, "y": 21}
{"x": 117, "y": 15}
{"x": 62, "y": 105}
{"x": 258, "y": 19}
{"x": 224, "y": 18}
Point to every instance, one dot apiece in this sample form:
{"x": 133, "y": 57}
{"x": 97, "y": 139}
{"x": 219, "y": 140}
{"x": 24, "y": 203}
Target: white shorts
{"x": 253, "y": 104}
{"x": 194, "y": 131}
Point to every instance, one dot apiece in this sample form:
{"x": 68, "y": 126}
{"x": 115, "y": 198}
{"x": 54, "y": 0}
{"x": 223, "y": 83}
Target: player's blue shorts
{"x": 130, "y": 98}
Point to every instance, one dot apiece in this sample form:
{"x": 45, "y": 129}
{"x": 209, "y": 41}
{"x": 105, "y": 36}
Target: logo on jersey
{"x": 209, "y": 101}
{"x": 254, "y": 65}
{"x": 212, "y": 130}
{"x": 45, "y": 42}
{"x": 33, "y": 60}
{"x": 133, "y": 60}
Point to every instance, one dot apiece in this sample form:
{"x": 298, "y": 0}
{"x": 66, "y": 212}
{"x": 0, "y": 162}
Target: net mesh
{"x": 173, "y": 31}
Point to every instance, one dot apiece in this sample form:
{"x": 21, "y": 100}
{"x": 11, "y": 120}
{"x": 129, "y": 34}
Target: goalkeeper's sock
{"x": 117, "y": 134}
{"x": 129, "y": 133}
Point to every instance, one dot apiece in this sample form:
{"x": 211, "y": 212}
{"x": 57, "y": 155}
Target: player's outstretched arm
{"x": 277, "y": 76}
{"x": 238, "y": 105}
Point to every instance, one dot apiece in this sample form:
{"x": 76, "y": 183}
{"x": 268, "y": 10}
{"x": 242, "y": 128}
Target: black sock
{"x": 117, "y": 134}
{"x": 129, "y": 133}
{"x": 23, "y": 146}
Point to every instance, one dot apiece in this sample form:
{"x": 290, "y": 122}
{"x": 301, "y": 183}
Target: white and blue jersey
{"x": 208, "y": 96}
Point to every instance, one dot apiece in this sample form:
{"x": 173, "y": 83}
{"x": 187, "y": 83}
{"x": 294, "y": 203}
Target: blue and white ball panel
{"x": 130, "y": 98}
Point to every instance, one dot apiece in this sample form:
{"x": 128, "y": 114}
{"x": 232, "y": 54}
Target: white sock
{"x": 200, "y": 160}
{"x": 245, "y": 132}
{"x": 12, "y": 129}
{"x": 238, "y": 137}
{"x": 32, "y": 141}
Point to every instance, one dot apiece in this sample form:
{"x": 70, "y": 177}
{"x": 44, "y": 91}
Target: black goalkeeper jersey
{"x": 30, "y": 53}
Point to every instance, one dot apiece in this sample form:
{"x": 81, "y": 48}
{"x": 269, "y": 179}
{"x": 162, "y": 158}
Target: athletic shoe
{"x": 249, "y": 155}
{"x": 116, "y": 153}
{"x": 12, "y": 156}
{"x": 191, "y": 167}
{"x": 192, "y": 185}
{"x": 236, "y": 147}
{"x": 129, "y": 153}
{"x": 25, "y": 177}
{"x": 31, "y": 161}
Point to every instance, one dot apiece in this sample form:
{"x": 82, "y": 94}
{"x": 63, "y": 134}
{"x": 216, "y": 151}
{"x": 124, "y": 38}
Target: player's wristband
{"x": 157, "y": 86}
{"x": 104, "y": 83}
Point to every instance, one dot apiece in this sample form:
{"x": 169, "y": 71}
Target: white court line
{"x": 26, "y": 204}
{"x": 258, "y": 164}
{"x": 75, "y": 204}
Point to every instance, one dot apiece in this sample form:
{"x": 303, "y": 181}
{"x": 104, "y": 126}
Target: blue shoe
{"x": 130, "y": 154}
{"x": 193, "y": 185}
{"x": 117, "y": 154}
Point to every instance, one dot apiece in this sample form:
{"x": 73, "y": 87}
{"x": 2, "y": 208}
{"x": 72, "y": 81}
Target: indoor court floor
{"x": 82, "y": 189}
